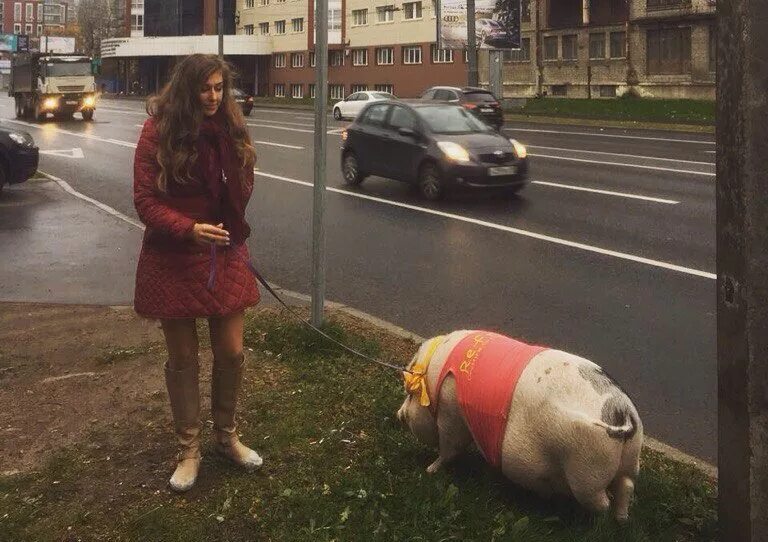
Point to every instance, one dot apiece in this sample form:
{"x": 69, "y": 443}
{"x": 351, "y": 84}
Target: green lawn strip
{"x": 338, "y": 466}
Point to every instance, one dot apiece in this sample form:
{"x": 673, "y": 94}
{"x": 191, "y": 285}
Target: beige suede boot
{"x": 225, "y": 386}
{"x": 184, "y": 393}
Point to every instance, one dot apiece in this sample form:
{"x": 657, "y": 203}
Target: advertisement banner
{"x": 57, "y": 44}
{"x": 497, "y": 24}
{"x": 7, "y": 43}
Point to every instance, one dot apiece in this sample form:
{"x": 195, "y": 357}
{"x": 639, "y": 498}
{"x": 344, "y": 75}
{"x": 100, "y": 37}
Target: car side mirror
{"x": 408, "y": 132}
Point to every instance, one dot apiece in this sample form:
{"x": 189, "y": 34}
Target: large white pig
{"x": 564, "y": 427}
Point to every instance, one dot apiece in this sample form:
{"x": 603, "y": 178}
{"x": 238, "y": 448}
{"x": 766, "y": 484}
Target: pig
{"x": 568, "y": 428}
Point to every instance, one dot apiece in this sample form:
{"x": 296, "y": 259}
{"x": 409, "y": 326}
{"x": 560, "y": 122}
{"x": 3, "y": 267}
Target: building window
{"x": 336, "y": 92}
{"x": 263, "y": 28}
{"x": 336, "y": 58}
{"x": 298, "y": 24}
{"x": 385, "y": 56}
{"x": 597, "y": 46}
{"x": 712, "y": 48}
{"x": 17, "y": 12}
{"x": 618, "y": 44}
{"x": 279, "y": 27}
{"x": 297, "y": 60}
{"x": 559, "y": 90}
{"x": 668, "y": 51}
{"x": 384, "y": 88}
{"x": 550, "y": 48}
{"x": 519, "y": 55}
{"x": 312, "y": 59}
{"x": 139, "y": 4}
{"x": 358, "y": 88}
{"x": 279, "y": 90}
{"x": 40, "y": 13}
{"x": 359, "y": 17}
{"x": 297, "y": 91}
{"x": 280, "y": 60}
{"x": 28, "y": 29}
{"x": 17, "y": 28}
{"x": 312, "y": 90}
{"x": 525, "y": 11}
{"x": 654, "y": 5}
{"x": 137, "y": 22}
{"x": 249, "y": 31}
{"x": 385, "y": 14}
{"x": 249, "y": 3}
{"x": 608, "y": 91}
{"x": 263, "y": 2}
{"x": 570, "y": 49}
{"x": 30, "y": 13}
{"x": 334, "y": 19}
{"x": 441, "y": 56}
{"x": 412, "y": 10}
{"x": 412, "y": 55}
{"x": 360, "y": 57}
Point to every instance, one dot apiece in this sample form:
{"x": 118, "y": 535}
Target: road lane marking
{"x": 50, "y": 128}
{"x": 618, "y": 136}
{"x": 654, "y": 168}
{"x": 508, "y": 229}
{"x": 607, "y": 192}
{"x": 65, "y": 153}
{"x": 296, "y": 147}
{"x": 627, "y": 155}
{"x": 284, "y": 123}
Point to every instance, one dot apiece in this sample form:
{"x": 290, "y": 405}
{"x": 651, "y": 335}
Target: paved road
{"x": 609, "y": 254}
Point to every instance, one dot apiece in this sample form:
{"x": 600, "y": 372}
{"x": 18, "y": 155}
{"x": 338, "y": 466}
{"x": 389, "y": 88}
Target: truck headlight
{"x": 21, "y": 139}
{"x": 50, "y": 103}
{"x": 89, "y": 101}
{"x": 454, "y": 151}
{"x": 520, "y": 149}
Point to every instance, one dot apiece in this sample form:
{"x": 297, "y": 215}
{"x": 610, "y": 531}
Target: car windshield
{"x": 480, "y": 97}
{"x": 383, "y": 96}
{"x": 451, "y": 120}
{"x": 65, "y": 69}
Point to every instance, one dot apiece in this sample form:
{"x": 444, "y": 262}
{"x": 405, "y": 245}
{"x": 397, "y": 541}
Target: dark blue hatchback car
{"x": 435, "y": 146}
{"x": 18, "y": 156}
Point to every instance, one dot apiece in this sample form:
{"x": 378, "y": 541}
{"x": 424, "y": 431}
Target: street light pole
{"x": 220, "y": 26}
{"x": 321, "y": 137}
{"x": 473, "y": 76}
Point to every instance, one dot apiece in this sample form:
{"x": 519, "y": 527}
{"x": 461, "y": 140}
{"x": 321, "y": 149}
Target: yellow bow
{"x": 416, "y": 381}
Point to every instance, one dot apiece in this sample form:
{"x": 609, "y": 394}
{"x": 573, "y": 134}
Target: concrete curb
{"x": 655, "y": 445}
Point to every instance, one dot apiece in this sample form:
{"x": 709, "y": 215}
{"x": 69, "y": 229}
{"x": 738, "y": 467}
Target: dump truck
{"x": 58, "y": 84}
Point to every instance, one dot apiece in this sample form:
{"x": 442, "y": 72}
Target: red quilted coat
{"x": 176, "y": 277}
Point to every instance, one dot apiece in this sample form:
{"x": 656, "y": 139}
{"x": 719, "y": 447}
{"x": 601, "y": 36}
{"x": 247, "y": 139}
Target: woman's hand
{"x": 208, "y": 233}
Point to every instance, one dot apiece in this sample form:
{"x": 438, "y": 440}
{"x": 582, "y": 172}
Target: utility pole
{"x": 220, "y": 26}
{"x": 473, "y": 77}
{"x": 321, "y": 142}
{"x": 742, "y": 270}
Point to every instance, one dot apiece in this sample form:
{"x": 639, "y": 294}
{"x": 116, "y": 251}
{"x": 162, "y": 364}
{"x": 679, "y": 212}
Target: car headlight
{"x": 89, "y": 101}
{"x": 520, "y": 149}
{"x": 51, "y": 103}
{"x": 454, "y": 151}
{"x": 21, "y": 139}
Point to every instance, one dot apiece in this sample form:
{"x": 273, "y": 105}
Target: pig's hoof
{"x": 434, "y": 467}
{"x": 622, "y": 518}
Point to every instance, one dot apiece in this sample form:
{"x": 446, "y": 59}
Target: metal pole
{"x": 496, "y": 74}
{"x": 742, "y": 274}
{"x": 473, "y": 77}
{"x": 220, "y": 26}
{"x": 321, "y": 137}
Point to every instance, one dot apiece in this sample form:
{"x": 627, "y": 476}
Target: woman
{"x": 193, "y": 177}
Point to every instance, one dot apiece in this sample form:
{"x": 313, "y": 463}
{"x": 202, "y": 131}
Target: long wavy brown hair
{"x": 178, "y": 114}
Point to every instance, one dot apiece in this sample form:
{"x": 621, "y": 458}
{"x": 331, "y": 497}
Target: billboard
{"x": 56, "y": 44}
{"x": 8, "y": 43}
{"x": 497, "y": 24}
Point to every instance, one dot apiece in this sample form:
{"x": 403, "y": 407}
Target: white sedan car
{"x": 349, "y": 107}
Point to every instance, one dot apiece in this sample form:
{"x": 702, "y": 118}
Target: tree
{"x": 97, "y": 20}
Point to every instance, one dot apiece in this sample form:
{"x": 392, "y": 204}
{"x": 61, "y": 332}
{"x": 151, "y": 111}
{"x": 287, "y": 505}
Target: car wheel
{"x": 351, "y": 170}
{"x": 337, "y": 113}
{"x": 38, "y": 114}
{"x": 431, "y": 184}
{"x": 87, "y": 115}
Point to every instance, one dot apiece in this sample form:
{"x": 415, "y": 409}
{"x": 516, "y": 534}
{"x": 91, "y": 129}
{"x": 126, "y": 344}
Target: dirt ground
{"x": 66, "y": 371}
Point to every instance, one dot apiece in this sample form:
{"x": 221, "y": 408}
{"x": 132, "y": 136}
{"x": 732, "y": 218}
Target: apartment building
{"x": 28, "y": 18}
{"x": 587, "y": 48}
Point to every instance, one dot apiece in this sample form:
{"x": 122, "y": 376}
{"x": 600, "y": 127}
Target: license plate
{"x": 72, "y": 102}
{"x": 498, "y": 171}
{"x": 485, "y": 110}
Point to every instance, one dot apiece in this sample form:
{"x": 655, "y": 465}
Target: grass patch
{"x": 338, "y": 467}
{"x": 698, "y": 112}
